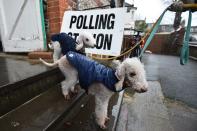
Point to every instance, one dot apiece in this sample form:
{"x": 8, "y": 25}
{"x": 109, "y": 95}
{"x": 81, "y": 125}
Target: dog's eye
{"x": 87, "y": 39}
{"x": 132, "y": 74}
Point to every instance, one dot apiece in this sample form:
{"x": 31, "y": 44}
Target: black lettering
{"x": 79, "y": 22}
{"x": 94, "y": 35}
{"x": 110, "y": 22}
{"x": 107, "y": 42}
{"x": 75, "y": 35}
{"x": 99, "y": 41}
{"x": 90, "y": 23}
{"x": 96, "y": 22}
{"x": 70, "y": 34}
{"x": 73, "y": 20}
{"x": 84, "y": 23}
{"x": 102, "y": 21}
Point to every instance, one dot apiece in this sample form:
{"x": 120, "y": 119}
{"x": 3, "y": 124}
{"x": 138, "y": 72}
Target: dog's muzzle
{"x": 126, "y": 83}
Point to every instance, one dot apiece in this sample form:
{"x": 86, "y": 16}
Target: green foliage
{"x": 141, "y": 25}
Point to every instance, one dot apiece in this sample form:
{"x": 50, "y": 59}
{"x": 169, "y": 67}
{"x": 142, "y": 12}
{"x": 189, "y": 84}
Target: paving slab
{"x": 182, "y": 117}
{"x": 178, "y": 82}
{"x": 145, "y": 111}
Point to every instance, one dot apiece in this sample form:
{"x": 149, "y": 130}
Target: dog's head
{"x": 55, "y": 46}
{"x": 85, "y": 40}
{"x": 132, "y": 74}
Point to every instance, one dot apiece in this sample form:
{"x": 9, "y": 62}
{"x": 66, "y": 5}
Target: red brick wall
{"x": 99, "y": 3}
{"x": 158, "y": 42}
{"x": 55, "y": 12}
{"x": 162, "y": 43}
{"x": 166, "y": 44}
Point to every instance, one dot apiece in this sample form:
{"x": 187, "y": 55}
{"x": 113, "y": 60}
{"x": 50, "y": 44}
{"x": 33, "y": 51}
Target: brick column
{"x": 55, "y": 12}
{"x": 54, "y": 15}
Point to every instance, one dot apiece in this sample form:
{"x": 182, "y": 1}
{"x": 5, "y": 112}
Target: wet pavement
{"x": 178, "y": 82}
{"x": 13, "y": 70}
{"x": 171, "y": 101}
{"x": 151, "y": 111}
{"x": 181, "y": 116}
{"x": 144, "y": 111}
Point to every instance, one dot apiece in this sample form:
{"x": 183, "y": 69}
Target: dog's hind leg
{"x": 102, "y": 96}
{"x": 65, "y": 89}
{"x": 101, "y": 111}
{"x": 67, "y": 85}
{"x": 69, "y": 82}
{"x": 71, "y": 76}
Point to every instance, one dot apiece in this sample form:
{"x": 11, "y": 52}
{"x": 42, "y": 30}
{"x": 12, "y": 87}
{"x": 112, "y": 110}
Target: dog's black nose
{"x": 143, "y": 90}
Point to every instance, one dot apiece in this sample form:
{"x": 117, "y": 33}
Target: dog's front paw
{"x": 74, "y": 91}
{"x": 67, "y": 97}
{"x": 107, "y": 119}
{"x": 101, "y": 123}
{"x": 103, "y": 126}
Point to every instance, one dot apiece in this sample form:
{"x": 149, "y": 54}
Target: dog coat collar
{"x": 90, "y": 71}
{"x": 67, "y": 43}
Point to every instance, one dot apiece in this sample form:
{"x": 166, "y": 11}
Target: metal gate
{"x": 22, "y": 25}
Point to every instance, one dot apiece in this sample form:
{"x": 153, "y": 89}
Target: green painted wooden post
{"x": 43, "y": 24}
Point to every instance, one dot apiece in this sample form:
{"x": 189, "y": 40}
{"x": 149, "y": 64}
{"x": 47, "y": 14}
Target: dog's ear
{"x": 120, "y": 74}
{"x": 120, "y": 71}
{"x": 80, "y": 42}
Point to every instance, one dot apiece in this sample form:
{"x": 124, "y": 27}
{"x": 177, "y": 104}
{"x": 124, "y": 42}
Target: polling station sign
{"x": 107, "y": 26}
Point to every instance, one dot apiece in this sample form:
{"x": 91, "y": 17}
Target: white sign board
{"x": 107, "y": 25}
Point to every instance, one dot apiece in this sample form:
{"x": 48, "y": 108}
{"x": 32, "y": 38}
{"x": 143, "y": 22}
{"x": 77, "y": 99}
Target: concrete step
{"x": 49, "y": 111}
{"x": 82, "y": 117}
{"x": 144, "y": 112}
{"x": 14, "y": 94}
{"x": 41, "y": 112}
{"x": 14, "y": 68}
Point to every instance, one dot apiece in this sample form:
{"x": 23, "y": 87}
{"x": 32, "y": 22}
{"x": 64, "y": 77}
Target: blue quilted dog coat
{"x": 67, "y": 43}
{"x": 89, "y": 71}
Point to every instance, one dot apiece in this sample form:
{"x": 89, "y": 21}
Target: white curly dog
{"x": 129, "y": 73}
{"x": 61, "y": 43}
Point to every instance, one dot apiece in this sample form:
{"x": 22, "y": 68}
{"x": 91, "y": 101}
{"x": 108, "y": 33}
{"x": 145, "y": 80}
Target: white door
{"x": 21, "y": 25}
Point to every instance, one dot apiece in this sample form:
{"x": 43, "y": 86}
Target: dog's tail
{"x": 49, "y": 64}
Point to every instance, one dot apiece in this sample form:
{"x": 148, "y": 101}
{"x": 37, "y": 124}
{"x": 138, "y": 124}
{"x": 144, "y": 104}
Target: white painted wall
{"x": 129, "y": 21}
{"x": 21, "y": 28}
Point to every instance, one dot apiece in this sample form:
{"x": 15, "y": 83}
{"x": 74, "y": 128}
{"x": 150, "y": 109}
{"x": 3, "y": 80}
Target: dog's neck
{"x": 117, "y": 76}
{"x": 82, "y": 50}
{"x": 122, "y": 83}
